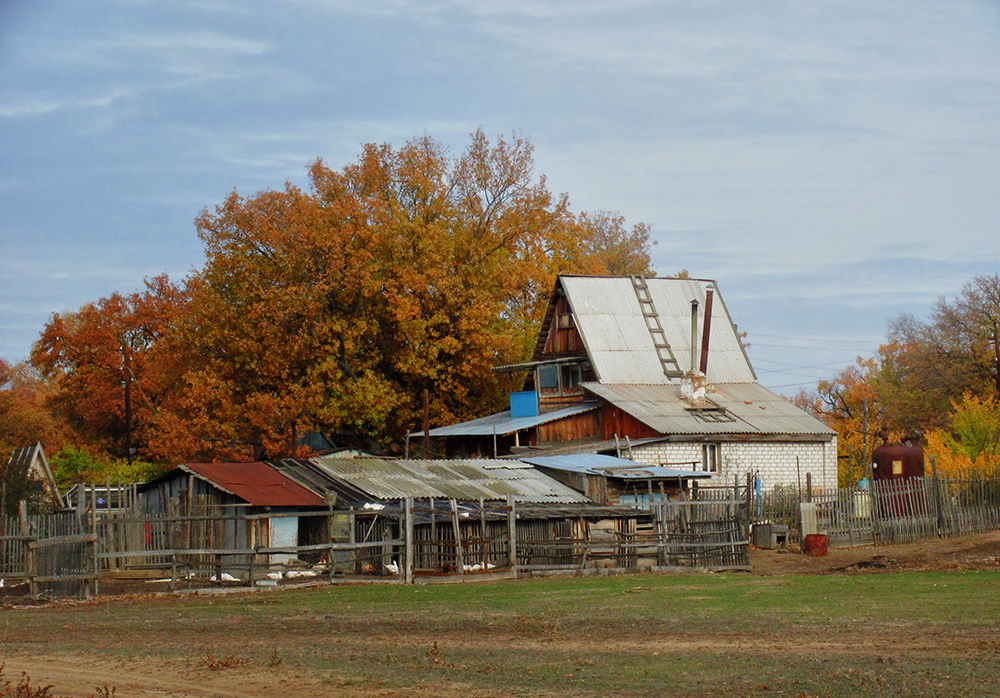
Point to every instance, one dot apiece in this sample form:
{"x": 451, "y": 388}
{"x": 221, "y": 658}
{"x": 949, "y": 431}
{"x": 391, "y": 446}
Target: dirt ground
{"x": 84, "y": 676}
{"x": 979, "y": 551}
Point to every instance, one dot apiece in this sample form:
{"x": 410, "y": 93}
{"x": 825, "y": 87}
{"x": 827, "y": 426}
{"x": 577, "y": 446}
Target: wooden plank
{"x": 63, "y": 540}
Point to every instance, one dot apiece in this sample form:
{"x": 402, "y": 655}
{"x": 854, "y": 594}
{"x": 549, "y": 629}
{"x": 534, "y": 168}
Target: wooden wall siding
{"x": 563, "y": 339}
{"x": 579, "y": 426}
{"x": 620, "y": 423}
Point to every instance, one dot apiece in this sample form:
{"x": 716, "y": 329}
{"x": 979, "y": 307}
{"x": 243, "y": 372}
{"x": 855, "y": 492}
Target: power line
{"x": 793, "y": 346}
{"x": 832, "y": 364}
{"x": 803, "y": 339}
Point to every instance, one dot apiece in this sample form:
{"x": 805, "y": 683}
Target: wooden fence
{"x": 53, "y": 554}
{"x": 396, "y": 542}
{"x": 892, "y": 511}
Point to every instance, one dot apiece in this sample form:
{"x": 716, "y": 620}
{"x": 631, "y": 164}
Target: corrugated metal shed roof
{"x": 754, "y": 410}
{"x": 614, "y": 331}
{"x": 449, "y": 479}
{"x": 502, "y": 423}
{"x": 609, "y": 466}
{"x": 256, "y": 483}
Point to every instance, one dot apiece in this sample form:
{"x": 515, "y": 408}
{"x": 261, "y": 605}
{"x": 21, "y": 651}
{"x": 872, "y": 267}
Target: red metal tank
{"x": 898, "y": 461}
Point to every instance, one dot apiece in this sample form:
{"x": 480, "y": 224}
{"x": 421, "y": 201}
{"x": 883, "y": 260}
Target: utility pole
{"x": 126, "y": 384}
{"x": 864, "y": 442}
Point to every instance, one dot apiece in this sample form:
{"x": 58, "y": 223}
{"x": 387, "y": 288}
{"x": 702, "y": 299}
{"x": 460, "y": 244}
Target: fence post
{"x": 30, "y": 556}
{"x": 459, "y": 558}
{"x": 937, "y": 497}
{"x": 408, "y": 513}
{"x": 511, "y": 535}
{"x": 246, "y": 542}
{"x": 93, "y": 529}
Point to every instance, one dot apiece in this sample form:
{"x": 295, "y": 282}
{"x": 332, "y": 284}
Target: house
{"x": 28, "y": 476}
{"x": 657, "y": 366}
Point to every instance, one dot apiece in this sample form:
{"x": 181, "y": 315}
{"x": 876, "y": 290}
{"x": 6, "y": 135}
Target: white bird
{"x": 392, "y": 567}
{"x": 274, "y": 575}
{"x": 1, "y": 583}
{"x": 478, "y": 567}
{"x": 292, "y": 574}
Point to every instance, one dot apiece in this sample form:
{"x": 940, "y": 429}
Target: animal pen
{"x": 399, "y": 541}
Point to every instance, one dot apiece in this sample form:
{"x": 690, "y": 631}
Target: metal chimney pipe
{"x": 709, "y": 293}
{"x": 694, "y": 336}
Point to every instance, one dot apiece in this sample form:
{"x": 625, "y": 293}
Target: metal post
{"x": 408, "y": 513}
{"x": 511, "y": 534}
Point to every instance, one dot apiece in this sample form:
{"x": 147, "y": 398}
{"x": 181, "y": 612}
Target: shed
{"x": 609, "y": 480}
{"x": 274, "y": 501}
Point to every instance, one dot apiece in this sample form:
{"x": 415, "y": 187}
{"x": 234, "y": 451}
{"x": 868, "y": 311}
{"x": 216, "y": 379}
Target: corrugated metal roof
{"x": 502, "y": 423}
{"x": 754, "y": 409}
{"x": 256, "y": 483}
{"x": 609, "y": 466}
{"x": 610, "y": 321}
{"x": 449, "y": 479}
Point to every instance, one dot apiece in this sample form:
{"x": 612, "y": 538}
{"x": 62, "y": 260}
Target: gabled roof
{"x": 387, "y": 479}
{"x": 732, "y": 408}
{"x": 503, "y": 423}
{"x": 614, "y": 330}
{"x": 258, "y": 484}
{"x": 34, "y": 463}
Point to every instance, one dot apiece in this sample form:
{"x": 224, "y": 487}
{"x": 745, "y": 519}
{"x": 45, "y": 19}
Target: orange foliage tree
{"x": 849, "y": 404}
{"x": 25, "y": 415}
{"x": 89, "y": 355}
{"x": 335, "y": 308}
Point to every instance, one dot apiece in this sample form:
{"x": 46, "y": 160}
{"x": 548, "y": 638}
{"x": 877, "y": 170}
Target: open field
{"x": 922, "y": 624}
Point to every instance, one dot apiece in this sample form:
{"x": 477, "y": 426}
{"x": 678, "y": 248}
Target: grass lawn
{"x": 905, "y": 634}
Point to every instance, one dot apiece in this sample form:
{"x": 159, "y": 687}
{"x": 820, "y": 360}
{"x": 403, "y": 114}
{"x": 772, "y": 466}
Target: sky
{"x": 830, "y": 164}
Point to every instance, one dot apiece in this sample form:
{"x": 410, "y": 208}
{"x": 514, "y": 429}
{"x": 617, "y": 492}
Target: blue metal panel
{"x": 524, "y": 404}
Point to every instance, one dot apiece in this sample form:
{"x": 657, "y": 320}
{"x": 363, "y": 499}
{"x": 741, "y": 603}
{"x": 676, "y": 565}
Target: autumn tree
{"x": 91, "y": 354}
{"x": 972, "y": 437}
{"x": 408, "y": 270}
{"x": 937, "y": 379}
{"x": 849, "y": 404}
{"x": 929, "y": 365}
{"x": 25, "y": 415}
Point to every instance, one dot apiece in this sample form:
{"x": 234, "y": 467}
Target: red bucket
{"x": 815, "y": 544}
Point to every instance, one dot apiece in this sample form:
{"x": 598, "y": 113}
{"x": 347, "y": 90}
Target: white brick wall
{"x": 784, "y": 463}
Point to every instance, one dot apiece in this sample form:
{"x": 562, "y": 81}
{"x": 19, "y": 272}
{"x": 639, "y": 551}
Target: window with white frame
{"x": 710, "y": 458}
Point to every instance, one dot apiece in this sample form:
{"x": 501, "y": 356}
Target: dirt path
{"x": 979, "y": 551}
{"x": 83, "y": 677}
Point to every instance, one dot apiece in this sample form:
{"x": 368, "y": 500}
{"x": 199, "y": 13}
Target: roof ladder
{"x": 671, "y": 369}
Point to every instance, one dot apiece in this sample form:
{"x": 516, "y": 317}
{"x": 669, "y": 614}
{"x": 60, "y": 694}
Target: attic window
{"x": 711, "y": 415}
{"x": 555, "y": 380}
